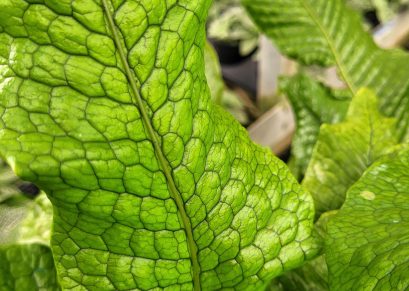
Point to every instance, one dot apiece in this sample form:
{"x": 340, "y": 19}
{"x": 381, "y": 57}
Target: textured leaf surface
{"x": 326, "y": 32}
{"x": 105, "y": 106}
{"x": 313, "y": 105}
{"x": 368, "y": 241}
{"x": 345, "y": 150}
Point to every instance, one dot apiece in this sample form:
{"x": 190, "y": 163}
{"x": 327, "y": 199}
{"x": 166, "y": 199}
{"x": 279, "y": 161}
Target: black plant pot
{"x": 372, "y": 18}
{"x": 229, "y": 52}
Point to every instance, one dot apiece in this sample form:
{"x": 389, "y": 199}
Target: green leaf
{"x": 106, "y": 108}
{"x": 27, "y": 267}
{"x": 213, "y": 73}
{"x": 313, "y": 104}
{"x": 36, "y": 225}
{"x": 368, "y": 241}
{"x": 26, "y": 222}
{"x": 26, "y": 261}
{"x": 222, "y": 95}
{"x": 345, "y": 150}
{"x": 328, "y": 33}
{"x": 311, "y": 276}
{"x": 9, "y": 191}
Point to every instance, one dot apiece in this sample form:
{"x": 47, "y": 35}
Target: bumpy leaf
{"x": 313, "y": 105}
{"x": 345, "y": 150}
{"x": 105, "y": 106}
{"x": 36, "y": 226}
{"x": 326, "y": 32}
{"x": 368, "y": 241}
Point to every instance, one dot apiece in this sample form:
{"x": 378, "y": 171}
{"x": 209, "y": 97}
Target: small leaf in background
{"x": 228, "y": 22}
{"x": 368, "y": 240}
{"x": 222, "y": 95}
{"x": 345, "y": 150}
{"x": 26, "y": 261}
{"x": 213, "y": 73}
{"x": 311, "y": 276}
{"x": 28, "y": 267}
{"x": 313, "y": 104}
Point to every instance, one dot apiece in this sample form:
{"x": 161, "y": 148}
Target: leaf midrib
{"x": 332, "y": 47}
{"x": 175, "y": 194}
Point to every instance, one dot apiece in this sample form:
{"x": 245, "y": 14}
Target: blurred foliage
{"x": 222, "y": 95}
{"x": 229, "y": 22}
{"x": 8, "y": 184}
{"x": 385, "y": 9}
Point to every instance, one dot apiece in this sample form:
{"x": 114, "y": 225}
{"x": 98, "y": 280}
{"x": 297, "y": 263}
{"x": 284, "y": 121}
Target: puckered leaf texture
{"x": 368, "y": 240}
{"x": 105, "y": 106}
{"x": 328, "y": 33}
{"x": 345, "y": 150}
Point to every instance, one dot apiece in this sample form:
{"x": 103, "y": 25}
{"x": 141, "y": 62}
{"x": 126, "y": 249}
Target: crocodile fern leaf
{"x": 313, "y": 104}
{"x": 368, "y": 240}
{"x": 105, "y": 106}
{"x": 328, "y": 33}
{"x": 345, "y": 150}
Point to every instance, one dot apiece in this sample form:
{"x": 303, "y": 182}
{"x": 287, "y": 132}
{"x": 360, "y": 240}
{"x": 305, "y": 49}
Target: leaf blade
{"x": 373, "y": 253}
{"x": 345, "y": 150}
{"x": 111, "y": 168}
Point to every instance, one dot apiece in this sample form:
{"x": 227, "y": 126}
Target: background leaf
{"x": 27, "y": 267}
{"x": 345, "y": 150}
{"x": 328, "y": 33}
{"x": 26, "y": 261}
{"x": 368, "y": 241}
{"x": 313, "y": 104}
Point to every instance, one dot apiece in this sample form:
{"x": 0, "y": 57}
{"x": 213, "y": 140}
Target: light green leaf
{"x": 345, "y": 150}
{"x": 105, "y": 106}
{"x": 368, "y": 241}
{"x": 313, "y": 275}
{"x": 222, "y": 95}
{"x": 313, "y": 104}
{"x": 213, "y": 73}
{"x": 8, "y": 184}
{"x": 36, "y": 226}
{"x": 328, "y": 33}
{"x": 26, "y": 222}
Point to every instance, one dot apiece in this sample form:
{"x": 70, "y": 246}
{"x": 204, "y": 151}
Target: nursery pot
{"x": 229, "y": 51}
